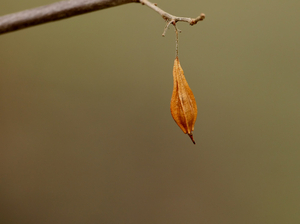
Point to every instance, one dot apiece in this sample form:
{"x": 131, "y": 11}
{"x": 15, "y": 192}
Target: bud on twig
{"x": 183, "y": 103}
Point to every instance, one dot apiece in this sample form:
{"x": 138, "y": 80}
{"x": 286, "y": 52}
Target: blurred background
{"x": 86, "y": 133}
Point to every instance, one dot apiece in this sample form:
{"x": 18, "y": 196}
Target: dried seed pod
{"x": 183, "y": 103}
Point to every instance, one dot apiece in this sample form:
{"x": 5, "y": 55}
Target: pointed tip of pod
{"x": 192, "y": 138}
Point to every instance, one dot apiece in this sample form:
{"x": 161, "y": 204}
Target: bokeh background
{"x": 86, "y": 132}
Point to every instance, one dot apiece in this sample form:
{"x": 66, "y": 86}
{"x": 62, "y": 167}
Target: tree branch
{"x": 66, "y": 9}
{"x": 53, "y": 12}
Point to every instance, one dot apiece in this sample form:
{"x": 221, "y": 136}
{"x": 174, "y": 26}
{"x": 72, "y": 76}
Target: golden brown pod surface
{"x": 183, "y": 103}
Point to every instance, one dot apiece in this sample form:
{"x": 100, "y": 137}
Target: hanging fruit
{"x": 183, "y": 103}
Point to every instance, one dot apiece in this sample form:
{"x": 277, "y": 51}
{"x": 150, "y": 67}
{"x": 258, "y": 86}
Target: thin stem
{"x": 176, "y": 41}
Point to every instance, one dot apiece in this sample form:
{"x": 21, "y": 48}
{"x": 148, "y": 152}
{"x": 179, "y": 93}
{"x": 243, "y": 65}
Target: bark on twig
{"x": 53, "y": 12}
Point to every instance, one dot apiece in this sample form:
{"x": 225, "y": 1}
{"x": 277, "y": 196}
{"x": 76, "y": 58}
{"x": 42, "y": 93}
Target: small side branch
{"x": 53, "y": 12}
{"x": 170, "y": 19}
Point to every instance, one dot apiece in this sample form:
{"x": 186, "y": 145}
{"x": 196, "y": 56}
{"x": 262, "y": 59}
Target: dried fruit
{"x": 183, "y": 103}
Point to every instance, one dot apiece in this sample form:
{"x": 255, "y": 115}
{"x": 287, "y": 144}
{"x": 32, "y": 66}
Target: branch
{"x": 53, "y": 12}
{"x": 66, "y": 9}
{"x": 170, "y": 19}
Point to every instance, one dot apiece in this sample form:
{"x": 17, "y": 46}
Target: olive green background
{"x": 86, "y": 131}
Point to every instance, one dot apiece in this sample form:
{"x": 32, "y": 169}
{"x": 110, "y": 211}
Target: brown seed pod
{"x": 183, "y": 103}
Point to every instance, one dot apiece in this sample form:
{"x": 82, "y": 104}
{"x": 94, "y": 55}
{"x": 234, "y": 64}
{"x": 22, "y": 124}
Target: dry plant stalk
{"x": 183, "y": 103}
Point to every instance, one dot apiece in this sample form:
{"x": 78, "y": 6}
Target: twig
{"x": 170, "y": 19}
{"x": 53, "y": 12}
